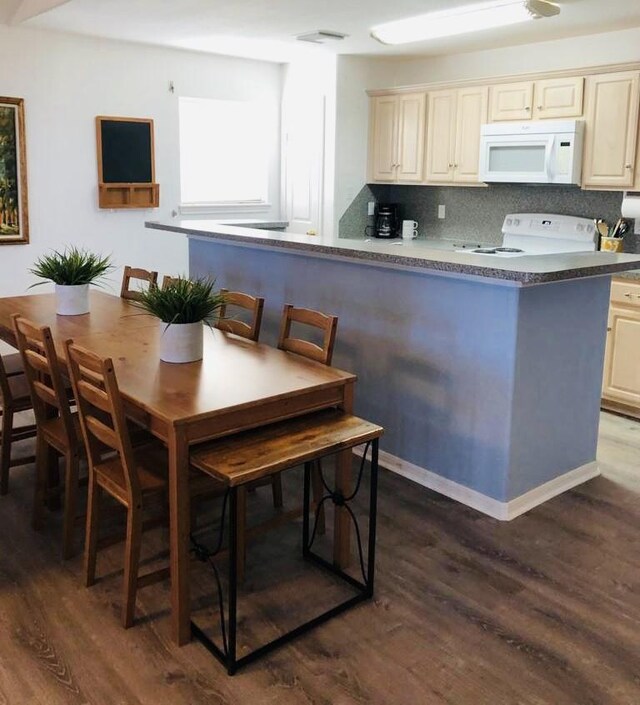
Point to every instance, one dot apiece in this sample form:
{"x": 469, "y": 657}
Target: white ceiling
{"x": 266, "y": 28}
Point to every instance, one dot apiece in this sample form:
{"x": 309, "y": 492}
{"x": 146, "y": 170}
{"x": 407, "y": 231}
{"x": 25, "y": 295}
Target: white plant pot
{"x": 181, "y": 342}
{"x": 72, "y": 300}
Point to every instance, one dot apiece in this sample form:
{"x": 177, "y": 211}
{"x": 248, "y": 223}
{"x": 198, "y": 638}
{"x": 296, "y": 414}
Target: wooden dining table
{"x": 237, "y": 385}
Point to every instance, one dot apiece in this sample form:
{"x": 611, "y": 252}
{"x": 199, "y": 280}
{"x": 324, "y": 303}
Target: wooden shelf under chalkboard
{"x": 128, "y": 195}
{"x": 126, "y": 165}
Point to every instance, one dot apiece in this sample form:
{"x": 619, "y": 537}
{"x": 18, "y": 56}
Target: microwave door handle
{"x": 547, "y": 158}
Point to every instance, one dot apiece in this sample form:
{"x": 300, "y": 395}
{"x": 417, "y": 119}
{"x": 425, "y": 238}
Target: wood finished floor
{"x": 543, "y": 610}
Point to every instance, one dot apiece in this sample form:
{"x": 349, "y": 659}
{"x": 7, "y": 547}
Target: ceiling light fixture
{"x": 460, "y": 20}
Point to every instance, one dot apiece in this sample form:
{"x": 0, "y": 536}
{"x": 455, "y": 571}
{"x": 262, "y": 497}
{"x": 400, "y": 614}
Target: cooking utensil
{"x": 616, "y": 227}
{"x": 624, "y": 227}
{"x": 603, "y": 228}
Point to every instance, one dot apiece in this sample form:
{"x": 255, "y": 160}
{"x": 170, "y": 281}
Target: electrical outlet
{"x": 371, "y": 208}
{"x": 441, "y": 211}
{"x": 636, "y": 229}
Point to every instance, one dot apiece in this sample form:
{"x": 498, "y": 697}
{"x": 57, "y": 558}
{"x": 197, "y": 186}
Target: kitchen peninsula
{"x": 486, "y": 372}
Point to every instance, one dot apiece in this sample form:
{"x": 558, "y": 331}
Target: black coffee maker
{"x": 386, "y": 221}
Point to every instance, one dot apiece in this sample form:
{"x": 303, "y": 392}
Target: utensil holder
{"x": 611, "y": 244}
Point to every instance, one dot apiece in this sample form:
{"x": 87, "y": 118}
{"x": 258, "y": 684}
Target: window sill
{"x": 223, "y": 208}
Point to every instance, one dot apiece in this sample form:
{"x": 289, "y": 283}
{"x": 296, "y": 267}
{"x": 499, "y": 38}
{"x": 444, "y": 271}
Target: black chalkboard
{"x": 126, "y": 152}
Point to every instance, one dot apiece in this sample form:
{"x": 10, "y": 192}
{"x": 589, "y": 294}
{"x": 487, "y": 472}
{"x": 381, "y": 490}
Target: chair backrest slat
{"x": 95, "y": 385}
{"x": 253, "y": 304}
{"x": 168, "y": 280}
{"x": 141, "y": 275}
{"x": 315, "y": 319}
{"x": 44, "y": 375}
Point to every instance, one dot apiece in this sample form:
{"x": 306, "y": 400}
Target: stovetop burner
{"x": 499, "y": 251}
{"x": 508, "y": 249}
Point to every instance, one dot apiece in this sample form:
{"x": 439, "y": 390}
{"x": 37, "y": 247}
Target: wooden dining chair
{"x": 246, "y": 302}
{"x": 140, "y": 275}
{"x": 14, "y": 398}
{"x": 12, "y": 364}
{"x": 127, "y": 475}
{"x": 168, "y": 280}
{"x": 57, "y": 427}
{"x": 327, "y": 326}
{"x": 130, "y": 474}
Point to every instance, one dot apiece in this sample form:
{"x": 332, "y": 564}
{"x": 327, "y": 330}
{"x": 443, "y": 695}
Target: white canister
{"x": 180, "y": 342}
{"x": 72, "y": 300}
{"x": 409, "y": 229}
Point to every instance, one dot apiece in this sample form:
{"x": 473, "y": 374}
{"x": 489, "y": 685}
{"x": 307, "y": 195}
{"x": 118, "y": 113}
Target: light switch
{"x": 441, "y": 211}
{"x": 371, "y": 208}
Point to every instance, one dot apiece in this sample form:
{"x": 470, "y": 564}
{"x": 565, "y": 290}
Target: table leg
{"x": 179, "y": 528}
{"x": 341, "y": 520}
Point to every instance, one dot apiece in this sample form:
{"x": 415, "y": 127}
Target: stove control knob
{"x": 516, "y": 221}
{"x": 580, "y": 227}
{"x": 508, "y": 221}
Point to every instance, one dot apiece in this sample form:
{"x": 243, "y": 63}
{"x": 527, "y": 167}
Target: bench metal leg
{"x": 227, "y": 655}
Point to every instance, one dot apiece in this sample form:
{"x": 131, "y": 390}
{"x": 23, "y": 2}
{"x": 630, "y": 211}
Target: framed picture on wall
{"x": 14, "y": 215}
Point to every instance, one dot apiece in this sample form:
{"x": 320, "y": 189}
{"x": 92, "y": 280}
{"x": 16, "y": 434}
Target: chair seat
{"x": 150, "y": 465}
{"x": 13, "y": 364}
{"x": 55, "y": 433}
{"x": 20, "y": 392}
{"x": 248, "y": 456}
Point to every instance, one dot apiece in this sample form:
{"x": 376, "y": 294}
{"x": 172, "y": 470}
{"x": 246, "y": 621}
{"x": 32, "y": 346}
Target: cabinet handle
{"x": 528, "y": 107}
{"x": 609, "y": 329}
{"x": 628, "y": 295}
{"x": 628, "y": 166}
{"x": 450, "y": 166}
{"x": 455, "y": 166}
{"x": 540, "y": 107}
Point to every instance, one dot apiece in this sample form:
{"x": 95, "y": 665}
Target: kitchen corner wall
{"x": 477, "y": 213}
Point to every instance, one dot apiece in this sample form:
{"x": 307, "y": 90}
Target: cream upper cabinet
{"x": 511, "y": 101}
{"x": 611, "y": 113}
{"x": 453, "y": 134}
{"x": 547, "y": 98}
{"x": 558, "y": 98}
{"x": 411, "y": 129}
{"x": 471, "y": 115}
{"x": 397, "y": 138}
{"x": 441, "y": 135}
{"x": 384, "y": 117}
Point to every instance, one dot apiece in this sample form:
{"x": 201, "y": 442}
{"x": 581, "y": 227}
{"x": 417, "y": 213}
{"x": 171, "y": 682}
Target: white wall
{"x": 67, "y": 80}
{"x": 573, "y": 52}
{"x": 354, "y": 76}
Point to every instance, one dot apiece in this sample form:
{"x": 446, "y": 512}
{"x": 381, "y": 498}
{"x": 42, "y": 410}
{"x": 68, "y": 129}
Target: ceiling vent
{"x": 321, "y": 36}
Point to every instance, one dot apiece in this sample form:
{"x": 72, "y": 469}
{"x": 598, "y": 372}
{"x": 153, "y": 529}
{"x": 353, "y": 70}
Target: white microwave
{"x": 534, "y": 152}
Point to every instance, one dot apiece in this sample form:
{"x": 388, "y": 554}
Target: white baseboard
{"x": 505, "y": 511}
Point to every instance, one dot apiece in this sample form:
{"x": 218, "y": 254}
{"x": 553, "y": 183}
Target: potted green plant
{"x": 182, "y": 308}
{"x": 71, "y": 270}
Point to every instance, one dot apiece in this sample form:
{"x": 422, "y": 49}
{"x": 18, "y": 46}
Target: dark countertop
{"x": 427, "y": 255}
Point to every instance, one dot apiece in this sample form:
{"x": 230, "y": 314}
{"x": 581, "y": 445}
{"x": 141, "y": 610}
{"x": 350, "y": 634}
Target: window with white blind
{"x": 224, "y": 157}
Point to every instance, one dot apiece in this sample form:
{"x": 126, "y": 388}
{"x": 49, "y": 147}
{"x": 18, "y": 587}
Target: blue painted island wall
{"x": 486, "y": 390}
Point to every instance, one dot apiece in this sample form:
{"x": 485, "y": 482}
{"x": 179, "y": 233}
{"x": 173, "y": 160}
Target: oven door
{"x": 517, "y": 158}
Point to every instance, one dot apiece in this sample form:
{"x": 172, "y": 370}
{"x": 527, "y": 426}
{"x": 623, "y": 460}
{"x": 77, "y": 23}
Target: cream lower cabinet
{"x": 453, "y": 134}
{"x": 396, "y": 150}
{"x": 621, "y": 381}
{"x": 611, "y": 114}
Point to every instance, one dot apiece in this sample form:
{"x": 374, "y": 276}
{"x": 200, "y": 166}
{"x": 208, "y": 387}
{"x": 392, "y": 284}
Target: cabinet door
{"x": 622, "y": 362}
{"x": 612, "y": 125}
{"x": 471, "y": 114}
{"x": 511, "y": 101}
{"x": 411, "y": 129}
{"x": 384, "y": 137}
{"x": 441, "y": 126}
{"x": 558, "y": 98}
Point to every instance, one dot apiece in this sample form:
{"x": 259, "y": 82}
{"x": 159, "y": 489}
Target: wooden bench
{"x": 246, "y": 457}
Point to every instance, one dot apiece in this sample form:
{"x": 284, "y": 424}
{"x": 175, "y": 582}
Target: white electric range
{"x": 542, "y": 234}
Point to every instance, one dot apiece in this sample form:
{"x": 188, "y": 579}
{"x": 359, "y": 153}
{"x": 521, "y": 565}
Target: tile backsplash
{"x": 475, "y": 213}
